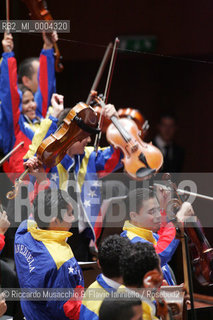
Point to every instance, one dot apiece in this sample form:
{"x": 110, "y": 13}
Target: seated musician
{"x": 82, "y": 165}
{"x": 109, "y": 253}
{"x": 45, "y": 260}
{"x": 140, "y": 268}
{"x": 145, "y": 225}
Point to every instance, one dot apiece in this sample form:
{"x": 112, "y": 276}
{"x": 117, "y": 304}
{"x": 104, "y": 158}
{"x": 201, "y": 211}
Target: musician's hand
{"x": 187, "y": 295}
{"x": 49, "y": 39}
{"x": 3, "y": 306}
{"x": 4, "y": 223}
{"x": 110, "y": 111}
{"x": 164, "y": 283}
{"x": 163, "y": 195}
{"x": 185, "y": 212}
{"x": 57, "y": 102}
{"x": 7, "y": 42}
{"x": 36, "y": 169}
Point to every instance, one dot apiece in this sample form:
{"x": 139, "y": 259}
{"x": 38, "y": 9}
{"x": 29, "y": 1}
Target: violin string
{"x": 121, "y": 50}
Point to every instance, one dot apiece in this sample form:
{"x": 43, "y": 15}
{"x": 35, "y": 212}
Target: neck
{"x": 136, "y": 224}
{"x": 136, "y": 289}
{"x": 117, "y": 279}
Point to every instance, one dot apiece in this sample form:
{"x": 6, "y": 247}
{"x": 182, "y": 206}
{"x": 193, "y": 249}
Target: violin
{"x": 105, "y": 122}
{"x": 168, "y": 305}
{"x": 38, "y": 11}
{"x": 200, "y": 251}
{"x": 140, "y": 159}
{"x": 79, "y": 123}
{"x": 135, "y": 115}
{"x": 129, "y": 113}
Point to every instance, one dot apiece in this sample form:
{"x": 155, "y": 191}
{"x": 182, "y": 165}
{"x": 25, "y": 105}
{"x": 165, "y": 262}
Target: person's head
{"x": 28, "y": 73}
{"x": 79, "y": 146}
{"x": 144, "y": 209}
{"x": 167, "y": 127}
{"x": 53, "y": 210}
{"x": 121, "y": 308}
{"x": 28, "y": 103}
{"x": 109, "y": 253}
{"x": 140, "y": 266}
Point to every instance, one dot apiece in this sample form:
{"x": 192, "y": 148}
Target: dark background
{"x": 177, "y": 77}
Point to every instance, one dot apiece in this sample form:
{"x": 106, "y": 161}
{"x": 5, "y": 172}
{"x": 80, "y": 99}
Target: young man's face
{"x": 29, "y": 105}
{"x": 149, "y": 216}
{"x": 68, "y": 218}
{"x": 167, "y": 129}
{"x": 78, "y": 147}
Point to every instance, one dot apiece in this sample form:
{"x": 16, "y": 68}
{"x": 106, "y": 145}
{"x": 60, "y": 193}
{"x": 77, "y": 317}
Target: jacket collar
{"x": 142, "y": 233}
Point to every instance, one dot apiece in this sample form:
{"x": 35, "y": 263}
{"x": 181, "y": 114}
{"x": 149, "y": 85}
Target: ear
{"x": 152, "y": 279}
{"x": 132, "y": 215}
{"x": 54, "y": 223}
{"x": 26, "y": 81}
{"x": 98, "y": 264}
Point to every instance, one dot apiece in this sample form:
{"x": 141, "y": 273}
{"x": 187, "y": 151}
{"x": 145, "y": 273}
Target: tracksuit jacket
{"x": 164, "y": 242}
{"x": 91, "y": 304}
{"x": 44, "y": 260}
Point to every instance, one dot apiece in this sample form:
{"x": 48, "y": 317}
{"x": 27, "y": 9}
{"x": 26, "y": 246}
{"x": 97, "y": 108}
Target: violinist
{"x": 84, "y": 167}
{"x": 147, "y": 223}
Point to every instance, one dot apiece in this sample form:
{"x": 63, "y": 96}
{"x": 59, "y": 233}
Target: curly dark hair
{"x": 137, "y": 259}
{"x": 118, "y": 307}
{"x": 49, "y": 203}
{"x": 109, "y": 253}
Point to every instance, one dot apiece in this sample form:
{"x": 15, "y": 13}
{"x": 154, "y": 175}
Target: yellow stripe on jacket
{"x": 54, "y": 241}
{"x": 133, "y": 231}
{"x": 91, "y": 302}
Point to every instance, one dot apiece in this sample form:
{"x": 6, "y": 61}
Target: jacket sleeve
{"x": 47, "y": 126}
{"x": 166, "y": 244}
{"x": 69, "y": 276}
{"x": 46, "y": 82}
{"x": 108, "y": 160}
{"x": 2, "y": 242}
{"x": 10, "y": 100}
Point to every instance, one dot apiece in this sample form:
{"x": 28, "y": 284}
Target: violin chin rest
{"x": 144, "y": 172}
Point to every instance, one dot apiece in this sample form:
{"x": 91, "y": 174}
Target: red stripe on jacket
{"x": 2, "y": 243}
{"x": 15, "y": 98}
{"x": 72, "y": 306}
{"x": 110, "y": 164}
{"x": 166, "y": 234}
{"x": 43, "y": 82}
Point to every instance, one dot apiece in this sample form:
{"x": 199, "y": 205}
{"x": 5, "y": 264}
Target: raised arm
{"x": 46, "y": 75}
{"x": 10, "y": 99}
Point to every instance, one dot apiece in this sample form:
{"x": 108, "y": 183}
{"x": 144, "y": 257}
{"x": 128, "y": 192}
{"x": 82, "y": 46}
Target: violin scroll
{"x": 38, "y": 11}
